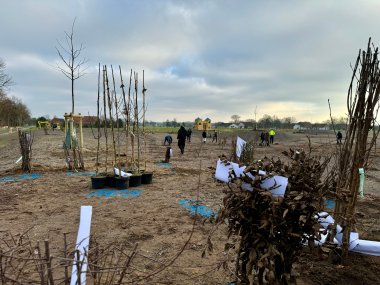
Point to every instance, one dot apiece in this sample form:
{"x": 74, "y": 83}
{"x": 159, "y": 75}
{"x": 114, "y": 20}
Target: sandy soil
{"x": 49, "y": 206}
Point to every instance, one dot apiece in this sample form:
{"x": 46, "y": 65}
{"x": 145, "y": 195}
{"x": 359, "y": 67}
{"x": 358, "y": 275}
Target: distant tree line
{"x": 268, "y": 121}
{"x": 12, "y": 111}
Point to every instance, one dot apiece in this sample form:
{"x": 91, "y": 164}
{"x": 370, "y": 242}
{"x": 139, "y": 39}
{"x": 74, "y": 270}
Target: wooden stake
{"x": 144, "y": 109}
{"x": 137, "y": 122}
{"x": 105, "y": 115}
{"x": 48, "y": 263}
{"x": 111, "y": 120}
{"x": 98, "y": 117}
{"x": 126, "y": 114}
{"x": 117, "y": 122}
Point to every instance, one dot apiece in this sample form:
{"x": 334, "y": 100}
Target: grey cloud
{"x": 202, "y": 58}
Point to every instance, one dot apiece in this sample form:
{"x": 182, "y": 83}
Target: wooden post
{"x": 117, "y": 121}
{"x": 137, "y": 123}
{"x": 65, "y": 116}
{"x": 105, "y": 114}
{"x": 111, "y": 119}
{"x": 80, "y": 129}
{"x": 126, "y": 115}
{"x": 143, "y": 124}
{"x": 71, "y": 128}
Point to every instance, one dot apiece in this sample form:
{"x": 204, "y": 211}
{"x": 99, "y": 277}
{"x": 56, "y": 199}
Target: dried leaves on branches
{"x": 270, "y": 230}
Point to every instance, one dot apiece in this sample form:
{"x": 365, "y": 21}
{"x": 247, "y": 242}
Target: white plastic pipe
{"x": 361, "y": 185}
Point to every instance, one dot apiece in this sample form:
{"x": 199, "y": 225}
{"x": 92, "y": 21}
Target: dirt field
{"x": 49, "y": 206}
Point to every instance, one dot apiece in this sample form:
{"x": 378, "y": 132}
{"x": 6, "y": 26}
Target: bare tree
{"x": 235, "y": 118}
{"x": 73, "y": 64}
{"x": 5, "y": 79}
{"x": 288, "y": 121}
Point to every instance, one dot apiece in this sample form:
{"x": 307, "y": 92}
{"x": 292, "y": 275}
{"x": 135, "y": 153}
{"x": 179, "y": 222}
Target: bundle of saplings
{"x": 269, "y": 232}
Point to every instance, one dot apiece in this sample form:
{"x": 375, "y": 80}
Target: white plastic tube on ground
{"x": 361, "y": 185}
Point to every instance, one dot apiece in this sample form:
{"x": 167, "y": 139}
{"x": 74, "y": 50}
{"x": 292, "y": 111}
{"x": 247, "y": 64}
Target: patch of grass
{"x": 4, "y": 140}
{"x": 175, "y": 130}
{"x": 162, "y": 129}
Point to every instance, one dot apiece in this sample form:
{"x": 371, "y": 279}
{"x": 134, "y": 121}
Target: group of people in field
{"x": 184, "y": 135}
{"x": 267, "y": 138}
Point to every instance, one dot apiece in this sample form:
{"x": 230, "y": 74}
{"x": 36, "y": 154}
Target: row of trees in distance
{"x": 12, "y": 111}
{"x": 265, "y": 122}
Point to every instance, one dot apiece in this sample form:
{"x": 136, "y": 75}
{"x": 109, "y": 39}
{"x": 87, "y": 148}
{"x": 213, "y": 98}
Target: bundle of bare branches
{"x": 271, "y": 231}
{"x": 23, "y": 261}
{"x": 361, "y": 135}
{"x": 26, "y": 141}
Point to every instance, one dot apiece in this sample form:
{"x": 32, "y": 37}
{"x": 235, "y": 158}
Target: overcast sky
{"x": 201, "y": 58}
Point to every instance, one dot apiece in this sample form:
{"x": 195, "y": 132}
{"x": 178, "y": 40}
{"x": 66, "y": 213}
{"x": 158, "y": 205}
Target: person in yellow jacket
{"x": 271, "y": 135}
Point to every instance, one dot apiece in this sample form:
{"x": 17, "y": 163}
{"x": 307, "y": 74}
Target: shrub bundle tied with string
{"x": 272, "y": 230}
{"x": 26, "y": 141}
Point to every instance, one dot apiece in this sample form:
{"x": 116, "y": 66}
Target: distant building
{"x": 236, "y": 126}
{"x": 201, "y": 125}
{"x": 89, "y": 121}
{"x": 303, "y": 126}
{"x": 296, "y": 127}
{"x": 57, "y": 123}
{"x": 321, "y": 127}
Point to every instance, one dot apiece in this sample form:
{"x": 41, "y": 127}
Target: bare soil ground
{"x": 49, "y": 206}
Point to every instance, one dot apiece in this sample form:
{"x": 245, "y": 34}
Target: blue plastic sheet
{"x": 83, "y": 173}
{"x": 329, "y": 204}
{"x": 192, "y": 206}
{"x": 115, "y": 193}
{"x": 25, "y": 176}
{"x": 164, "y": 164}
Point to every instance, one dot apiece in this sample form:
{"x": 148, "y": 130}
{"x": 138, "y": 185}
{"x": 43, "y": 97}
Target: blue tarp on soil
{"x": 329, "y": 204}
{"x": 115, "y": 193}
{"x": 164, "y": 164}
{"x": 192, "y": 206}
{"x": 25, "y": 176}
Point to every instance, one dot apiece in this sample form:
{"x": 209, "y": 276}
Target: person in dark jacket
{"x": 215, "y": 136}
{"x": 339, "y": 137}
{"x": 267, "y": 138}
{"x": 189, "y": 132}
{"x": 181, "y": 137}
{"x": 204, "y": 136}
{"x": 262, "y": 138}
{"x": 168, "y": 139}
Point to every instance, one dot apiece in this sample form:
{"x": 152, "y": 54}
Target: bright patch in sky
{"x": 201, "y": 58}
